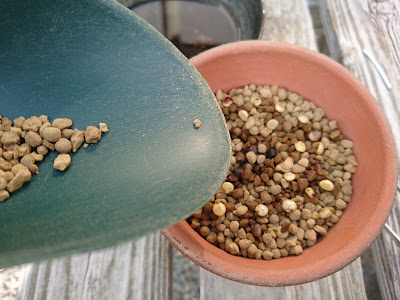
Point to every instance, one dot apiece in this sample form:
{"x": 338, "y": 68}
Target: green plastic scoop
{"x": 95, "y": 61}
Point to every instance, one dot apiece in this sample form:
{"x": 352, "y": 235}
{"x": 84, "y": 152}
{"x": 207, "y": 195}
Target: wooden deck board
{"x": 136, "y": 270}
{"x": 375, "y": 26}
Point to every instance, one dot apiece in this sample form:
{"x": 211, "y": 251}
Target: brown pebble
{"x": 229, "y": 207}
{"x": 243, "y": 223}
{"x": 208, "y": 207}
{"x": 284, "y": 147}
{"x": 285, "y": 227}
{"x": 295, "y": 155}
{"x": 251, "y": 205}
{"x": 247, "y": 174}
{"x": 257, "y": 181}
{"x": 278, "y": 158}
{"x": 237, "y": 193}
{"x": 274, "y": 139}
{"x": 302, "y": 184}
{"x": 295, "y": 186}
{"x": 311, "y": 175}
{"x": 197, "y": 214}
{"x": 336, "y": 189}
{"x": 278, "y": 207}
{"x": 264, "y": 177}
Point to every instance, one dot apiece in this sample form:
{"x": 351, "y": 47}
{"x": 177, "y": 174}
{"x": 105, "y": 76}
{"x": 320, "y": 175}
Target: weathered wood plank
{"x": 136, "y": 270}
{"x": 290, "y": 22}
{"x": 341, "y": 285}
{"x": 375, "y": 26}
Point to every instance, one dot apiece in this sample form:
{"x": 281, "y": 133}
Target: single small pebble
{"x": 314, "y": 136}
{"x": 310, "y": 192}
{"x": 244, "y": 115}
{"x": 340, "y": 204}
{"x": 271, "y": 153}
{"x": 61, "y": 123}
{"x": 256, "y": 101}
{"x": 62, "y": 162}
{"x": 227, "y": 187}
{"x": 197, "y": 124}
{"x": 67, "y": 133}
{"x": 300, "y": 146}
{"x": 346, "y": 143}
{"x": 303, "y": 119}
{"x": 272, "y": 124}
{"x": 241, "y": 210}
{"x": 320, "y": 148}
{"x": 227, "y": 102}
{"x": 63, "y": 146}
{"x": 289, "y": 205}
{"x": 261, "y": 210}
{"x": 92, "y": 135}
{"x": 325, "y": 213}
{"x": 4, "y": 195}
{"x": 33, "y": 139}
{"x": 280, "y": 106}
{"x": 42, "y": 150}
{"x": 289, "y": 176}
{"x": 85, "y": 145}
{"x": 219, "y": 209}
{"x": 104, "y": 128}
{"x": 251, "y": 157}
{"x": 326, "y": 184}
{"x": 77, "y": 139}
{"x": 51, "y": 134}
{"x": 9, "y": 138}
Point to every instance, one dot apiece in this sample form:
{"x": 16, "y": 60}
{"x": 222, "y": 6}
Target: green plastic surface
{"x": 95, "y": 61}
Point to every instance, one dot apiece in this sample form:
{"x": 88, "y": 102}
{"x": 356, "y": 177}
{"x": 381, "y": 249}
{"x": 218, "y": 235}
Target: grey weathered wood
{"x": 290, "y": 22}
{"x": 331, "y": 40}
{"x": 136, "y": 270}
{"x": 341, "y": 285}
{"x": 375, "y": 26}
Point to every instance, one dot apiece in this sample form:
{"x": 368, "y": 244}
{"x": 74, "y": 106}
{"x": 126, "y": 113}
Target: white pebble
{"x": 326, "y": 184}
{"x": 289, "y": 176}
{"x": 261, "y": 210}
{"x": 310, "y": 192}
{"x": 289, "y": 205}
{"x": 280, "y": 106}
{"x": 256, "y": 101}
{"x": 272, "y": 124}
{"x": 300, "y": 146}
{"x": 227, "y": 187}
{"x": 219, "y": 209}
{"x": 303, "y": 119}
{"x": 243, "y": 114}
{"x": 320, "y": 148}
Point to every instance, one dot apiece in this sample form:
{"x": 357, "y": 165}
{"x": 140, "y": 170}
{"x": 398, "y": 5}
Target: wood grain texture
{"x": 341, "y": 285}
{"x": 375, "y": 26}
{"x": 136, "y": 270}
{"x": 290, "y": 22}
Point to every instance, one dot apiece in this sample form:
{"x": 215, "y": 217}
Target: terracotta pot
{"x": 344, "y": 99}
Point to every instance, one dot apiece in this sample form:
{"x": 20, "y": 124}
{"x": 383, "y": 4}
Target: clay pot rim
{"x": 215, "y": 260}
